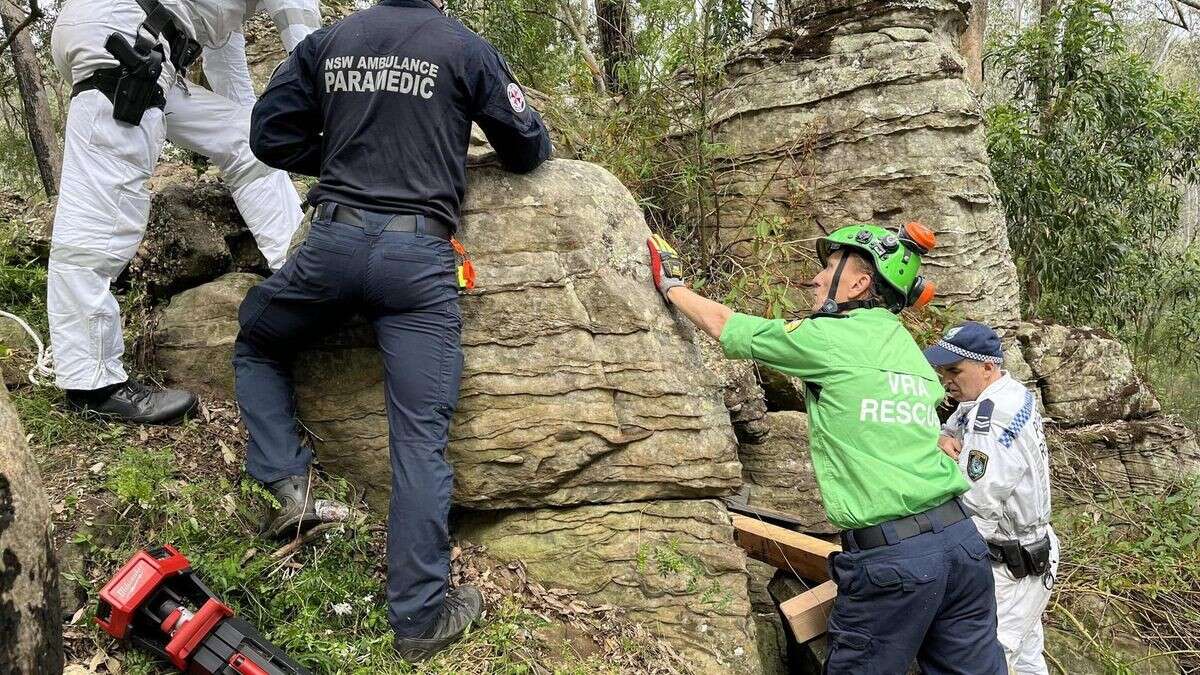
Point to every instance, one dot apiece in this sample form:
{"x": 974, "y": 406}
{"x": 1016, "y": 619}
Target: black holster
{"x": 132, "y": 86}
{"x": 1022, "y": 560}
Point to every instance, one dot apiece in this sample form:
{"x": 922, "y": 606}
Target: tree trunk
{"x": 612, "y": 19}
{"x": 1043, "y": 88}
{"x": 758, "y": 16}
{"x": 575, "y": 25}
{"x": 971, "y": 45}
{"x": 38, "y": 123}
{"x": 30, "y": 614}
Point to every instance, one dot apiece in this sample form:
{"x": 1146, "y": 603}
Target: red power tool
{"x": 153, "y": 603}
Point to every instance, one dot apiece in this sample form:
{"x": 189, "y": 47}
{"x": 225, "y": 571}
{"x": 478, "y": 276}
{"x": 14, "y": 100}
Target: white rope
{"x": 42, "y": 368}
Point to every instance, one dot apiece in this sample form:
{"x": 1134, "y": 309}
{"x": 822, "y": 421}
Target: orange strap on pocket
{"x": 466, "y": 271}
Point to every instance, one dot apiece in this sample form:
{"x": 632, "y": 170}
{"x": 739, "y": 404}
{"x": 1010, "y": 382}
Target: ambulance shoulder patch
{"x": 983, "y": 416}
{"x": 976, "y": 464}
{"x": 792, "y": 325}
{"x": 516, "y": 97}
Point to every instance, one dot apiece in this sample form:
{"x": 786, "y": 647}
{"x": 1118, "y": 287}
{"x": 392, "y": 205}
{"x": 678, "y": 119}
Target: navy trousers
{"x": 405, "y": 284}
{"x": 930, "y": 598}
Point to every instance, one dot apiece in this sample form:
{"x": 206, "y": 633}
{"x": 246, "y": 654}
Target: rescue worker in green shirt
{"x": 914, "y": 579}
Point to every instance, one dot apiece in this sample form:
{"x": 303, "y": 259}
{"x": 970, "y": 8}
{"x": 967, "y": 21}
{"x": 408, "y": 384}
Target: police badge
{"x": 976, "y": 465}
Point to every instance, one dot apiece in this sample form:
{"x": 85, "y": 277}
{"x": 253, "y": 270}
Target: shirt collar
{"x": 996, "y": 386}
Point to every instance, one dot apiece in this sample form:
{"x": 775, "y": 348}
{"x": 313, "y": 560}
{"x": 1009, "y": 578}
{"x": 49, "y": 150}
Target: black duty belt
{"x": 910, "y": 526}
{"x": 1022, "y": 560}
{"x": 404, "y": 222}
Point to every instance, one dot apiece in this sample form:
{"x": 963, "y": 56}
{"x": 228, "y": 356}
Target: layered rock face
{"x": 577, "y": 386}
{"x": 585, "y": 406}
{"x": 860, "y": 114}
{"x": 1107, "y": 434}
{"x": 778, "y": 471}
{"x": 667, "y": 562}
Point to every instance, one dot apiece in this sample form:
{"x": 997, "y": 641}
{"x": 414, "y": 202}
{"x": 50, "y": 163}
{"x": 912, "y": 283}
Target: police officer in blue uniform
{"x": 379, "y": 106}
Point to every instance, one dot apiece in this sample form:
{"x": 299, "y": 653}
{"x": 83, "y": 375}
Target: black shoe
{"x": 297, "y": 511}
{"x": 462, "y": 607}
{"x": 132, "y": 401}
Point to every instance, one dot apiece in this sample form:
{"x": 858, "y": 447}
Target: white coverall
{"x": 104, "y": 201}
{"x": 1004, "y": 457}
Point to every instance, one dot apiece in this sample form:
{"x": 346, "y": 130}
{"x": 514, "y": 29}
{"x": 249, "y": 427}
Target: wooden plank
{"x": 807, "y": 614}
{"x": 783, "y": 549}
{"x": 759, "y": 513}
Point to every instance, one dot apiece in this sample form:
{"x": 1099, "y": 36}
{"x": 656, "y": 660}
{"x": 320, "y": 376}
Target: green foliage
{"x": 532, "y": 39}
{"x": 670, "y": 562}
{"x": 1144, "y": 553}
{"x": 1090, "y": 156}
{"x": 138, "y": 474}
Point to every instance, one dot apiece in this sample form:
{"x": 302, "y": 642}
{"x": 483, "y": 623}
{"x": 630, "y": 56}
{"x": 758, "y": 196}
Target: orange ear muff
{"x": 922, "y": 293}
{"x": 919, "y": 235}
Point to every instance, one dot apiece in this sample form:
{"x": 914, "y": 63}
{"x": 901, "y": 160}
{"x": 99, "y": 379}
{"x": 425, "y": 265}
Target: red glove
{"x": 665, "y": 267}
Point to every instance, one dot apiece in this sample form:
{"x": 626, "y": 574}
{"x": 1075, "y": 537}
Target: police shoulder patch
{"x": 983, "y": 416}
{"x": 977, "y": 462}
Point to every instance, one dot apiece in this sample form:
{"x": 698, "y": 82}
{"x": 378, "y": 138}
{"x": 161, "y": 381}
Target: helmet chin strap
{"x": 831, "y": 305}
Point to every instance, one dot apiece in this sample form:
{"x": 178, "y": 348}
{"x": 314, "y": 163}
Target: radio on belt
{"x": 157, "y": 603}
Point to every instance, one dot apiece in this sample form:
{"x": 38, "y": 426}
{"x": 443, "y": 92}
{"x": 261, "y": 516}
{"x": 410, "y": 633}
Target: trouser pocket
{"x": 849, "y": 651}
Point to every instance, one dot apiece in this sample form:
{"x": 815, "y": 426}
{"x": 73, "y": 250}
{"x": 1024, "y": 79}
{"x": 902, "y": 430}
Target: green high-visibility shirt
{"x": 872, "y": 410}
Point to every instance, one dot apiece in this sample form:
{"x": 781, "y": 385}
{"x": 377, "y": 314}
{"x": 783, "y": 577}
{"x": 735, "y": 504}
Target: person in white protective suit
{"x": 126, "y": 60}
{"x": 996, "y": 436}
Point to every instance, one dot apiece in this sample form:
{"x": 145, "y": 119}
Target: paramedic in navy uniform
{"x": 379, "y": 106}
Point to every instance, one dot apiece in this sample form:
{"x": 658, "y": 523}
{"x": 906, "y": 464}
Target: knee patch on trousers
{"x": 101, "y": 262}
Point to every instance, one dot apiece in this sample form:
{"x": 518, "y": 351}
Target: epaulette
{"x": 983, "y": 416}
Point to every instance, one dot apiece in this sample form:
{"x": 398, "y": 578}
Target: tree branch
{"x": 35, "y": 13}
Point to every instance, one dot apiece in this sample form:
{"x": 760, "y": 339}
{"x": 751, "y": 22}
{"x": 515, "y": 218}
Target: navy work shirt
{"x": 379, "y": 106}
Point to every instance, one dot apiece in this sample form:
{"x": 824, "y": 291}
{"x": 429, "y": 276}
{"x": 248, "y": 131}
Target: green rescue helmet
{"x": 895, "y": 257}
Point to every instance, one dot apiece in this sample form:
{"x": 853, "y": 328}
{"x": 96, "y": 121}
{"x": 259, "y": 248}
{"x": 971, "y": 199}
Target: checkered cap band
{"x": 969, "y": 354}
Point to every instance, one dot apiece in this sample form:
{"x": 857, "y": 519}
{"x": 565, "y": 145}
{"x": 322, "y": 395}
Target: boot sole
{"x": 416, "y": 655}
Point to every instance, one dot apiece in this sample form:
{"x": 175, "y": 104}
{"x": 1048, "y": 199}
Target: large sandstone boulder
{"x": 778, "y": 472}
{"x": 1086, "y": 376}
{"x": 30, "y": 618}
{"x": 196, "y": 332}
{"x": 861, "y": 114}
{"x": 578, "y": 385}
{"x": 670, "y": 564}
{"x": 1121, "y": 458}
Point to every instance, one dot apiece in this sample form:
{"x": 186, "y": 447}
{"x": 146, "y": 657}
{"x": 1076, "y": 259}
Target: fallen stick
{"x": 295, "y": 544}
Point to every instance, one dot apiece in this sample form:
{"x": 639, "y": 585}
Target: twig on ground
{"x": 295, "y": 544}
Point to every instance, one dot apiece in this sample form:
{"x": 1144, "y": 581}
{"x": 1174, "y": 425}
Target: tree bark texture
{"x": 758, "y": 16}
{"x": 38, "y": 123}
{"x": 612, "y": 20}
{"x": 30, "y": 614}
{"x": 971, "y": 45}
